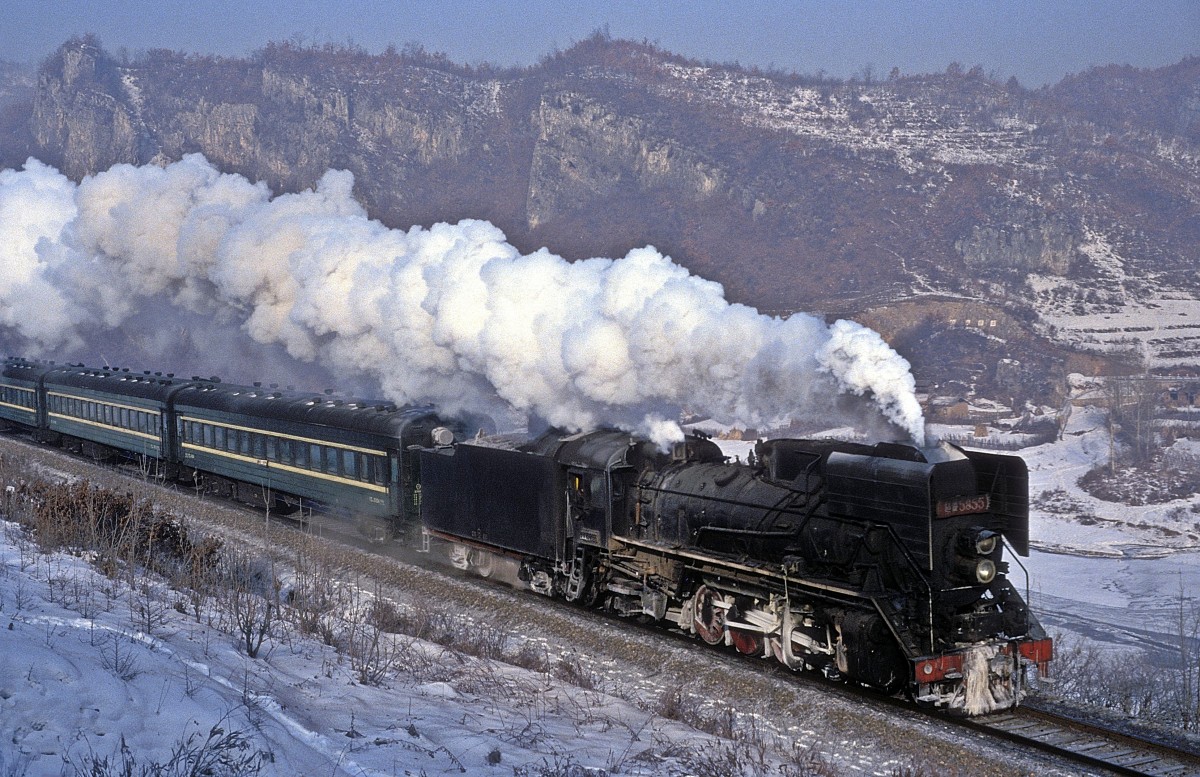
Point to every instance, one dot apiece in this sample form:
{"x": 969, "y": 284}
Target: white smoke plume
{"x": 187, "y": 259}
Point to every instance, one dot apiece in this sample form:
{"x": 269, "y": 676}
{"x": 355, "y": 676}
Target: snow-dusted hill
{"x": 1053, "y": 207}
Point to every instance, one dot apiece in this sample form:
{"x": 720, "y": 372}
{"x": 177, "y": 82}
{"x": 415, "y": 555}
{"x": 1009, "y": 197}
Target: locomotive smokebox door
{"x": 1006, "y": 480}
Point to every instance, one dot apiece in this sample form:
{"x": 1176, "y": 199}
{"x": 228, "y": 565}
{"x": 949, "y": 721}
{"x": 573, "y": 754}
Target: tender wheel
{"x": 481, "y": 562}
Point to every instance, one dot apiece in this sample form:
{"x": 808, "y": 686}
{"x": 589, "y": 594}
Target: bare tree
{"x": 1188, "y": 690}
{"x": 374, "y": 654}
{"x": 1132, "y": 407}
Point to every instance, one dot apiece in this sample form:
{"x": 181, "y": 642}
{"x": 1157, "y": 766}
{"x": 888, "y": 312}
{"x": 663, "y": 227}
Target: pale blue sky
{"x": 1039, "y": 41}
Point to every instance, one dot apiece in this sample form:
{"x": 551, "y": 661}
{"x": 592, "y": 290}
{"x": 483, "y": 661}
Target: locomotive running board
{"x": 743, "y": 568}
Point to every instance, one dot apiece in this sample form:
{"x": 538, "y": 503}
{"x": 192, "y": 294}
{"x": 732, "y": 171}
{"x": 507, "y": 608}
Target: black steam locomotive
{"x": 882, "y": 565}
{"x": 879, "y": 564}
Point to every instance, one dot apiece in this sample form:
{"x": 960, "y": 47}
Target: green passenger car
{"x": 341, "y": 455}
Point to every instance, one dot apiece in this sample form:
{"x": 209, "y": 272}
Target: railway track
{"x": 1058, "y": 735}
{"x": 1032, "y": 726}
{"x": 1088, "y": 744}
{"x": 1062, "y": 735}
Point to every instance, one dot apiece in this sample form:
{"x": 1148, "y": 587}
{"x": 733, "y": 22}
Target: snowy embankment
{"x": 91, "y": 665}
{"x": 81, "y": 679}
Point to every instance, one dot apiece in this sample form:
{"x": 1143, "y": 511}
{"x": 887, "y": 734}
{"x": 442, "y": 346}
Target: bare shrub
{"x": 415, "y": 621}
{"x": 249, "y": 600}
{"x": 374, "y": 653}
{"x": 15, "y": 764}
{"x": 118, "y": 529}
{"x": 1184, "y": 692}
{"x": 748, "y": 757}
{"x": 312, "y": 605}
{"x": 810, "y": 761}
{"x": 118, "y": 654}
{"x": 72, "y": 587}
{"x": 677, "y": 704}
{"x": 481, "y": 640}
{"x": 447, "y": 629}
{"x": 386, "y": 615}
{"x": 1129, "y": 682}
{"x": 486, "y": 678}
{"x": 196, "y": 576}
{"x": 531, "y": 655}
{"x": 919, "y": 768}
{"x": 148, "y": 606}
{"x": 718, "y": 759}
{"x": 570, "y": 669}
{"x": 557, "y": 765}
{"x": 674, "y": 703}
{"x": 221, "y": 751}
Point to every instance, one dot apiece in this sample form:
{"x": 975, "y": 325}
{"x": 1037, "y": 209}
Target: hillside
{"x": 970, "y": 221}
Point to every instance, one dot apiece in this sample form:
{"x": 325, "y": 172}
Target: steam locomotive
{"x": 881, "y": 565}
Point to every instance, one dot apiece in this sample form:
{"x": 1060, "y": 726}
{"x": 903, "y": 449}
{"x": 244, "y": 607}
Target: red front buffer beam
{"x": 1038, "y": 651}
{"x": 944, "y": 667}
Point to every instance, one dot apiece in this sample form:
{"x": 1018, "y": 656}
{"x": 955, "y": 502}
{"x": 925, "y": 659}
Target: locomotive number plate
{"x": 965, "y": 505}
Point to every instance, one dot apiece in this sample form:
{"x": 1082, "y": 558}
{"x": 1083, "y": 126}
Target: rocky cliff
{"x": 795, "y": 193}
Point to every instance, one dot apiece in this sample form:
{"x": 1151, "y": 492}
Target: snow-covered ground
{"x": 1127, "y": 311}
{"x": 917, "y": 131}
{"x": 80, "y": 683}
{"x": 1121, "y": 580}
{"x": 1120, "y": 531}
{"x": 78, "y": 678}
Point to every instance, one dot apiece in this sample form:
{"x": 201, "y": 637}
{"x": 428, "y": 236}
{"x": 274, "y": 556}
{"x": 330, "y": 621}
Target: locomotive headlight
{"x": 985, "y": 571}
{"x": 985, "y": 542}
{"x": 978, "y": 541}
